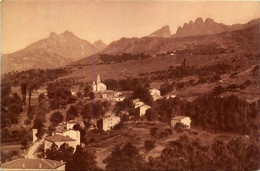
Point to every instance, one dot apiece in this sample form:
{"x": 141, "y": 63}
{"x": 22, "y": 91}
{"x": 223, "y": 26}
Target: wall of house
{"x": 186, "y": 121}
{"x": 143, "y": 110}
{"x": 110, "y": 122}
{"x": 70, "y": 125}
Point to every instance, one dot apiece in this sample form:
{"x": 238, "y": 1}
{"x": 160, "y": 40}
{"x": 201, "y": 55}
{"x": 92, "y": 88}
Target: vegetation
{"x": 125, "y": 158}
{"x": 81, "y": 159}
{"x": 56, "y": 118}
{"x": 149, "y": 145}
{"x": 190, "y": 154}
{"x": 11, "y": 107}
{"x": 108, "y": 58}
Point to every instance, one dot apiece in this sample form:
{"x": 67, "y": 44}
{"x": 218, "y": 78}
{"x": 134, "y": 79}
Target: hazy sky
{"x": 24, "y": 22}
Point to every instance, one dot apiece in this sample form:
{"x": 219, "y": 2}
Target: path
{"x": 31, "y": 151}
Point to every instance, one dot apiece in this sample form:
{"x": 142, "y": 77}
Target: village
{"x": 68, "y": 132}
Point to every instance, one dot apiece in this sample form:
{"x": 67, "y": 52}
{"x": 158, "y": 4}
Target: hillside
{"x": 198, "y": 50}
{"x": 54, "y": 51}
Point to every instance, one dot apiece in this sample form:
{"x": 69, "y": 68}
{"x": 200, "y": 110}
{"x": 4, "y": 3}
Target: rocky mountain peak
{"x": 162, "y": 32}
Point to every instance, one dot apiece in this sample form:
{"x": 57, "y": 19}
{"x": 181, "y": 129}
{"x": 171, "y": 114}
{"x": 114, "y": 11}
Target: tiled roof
{"x": 72, "y": 122}
{"x": 24, "y": 163}
{"x": 179, "y": 117}
{"x": 59, "y": 138}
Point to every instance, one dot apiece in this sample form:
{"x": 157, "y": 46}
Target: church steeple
{"x": 98, "y": 79}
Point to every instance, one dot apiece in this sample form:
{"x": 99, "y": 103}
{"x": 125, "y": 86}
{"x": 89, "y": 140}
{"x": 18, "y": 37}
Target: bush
{"x": 71, "y": 113}
{"x": 149, "y": 145}
{"x": 180, "y": 127}
{"x": 56, "y": 118}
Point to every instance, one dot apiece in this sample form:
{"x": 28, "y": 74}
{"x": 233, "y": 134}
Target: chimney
{"x": 23, "y": 165}
{"x": 40, "y": 165}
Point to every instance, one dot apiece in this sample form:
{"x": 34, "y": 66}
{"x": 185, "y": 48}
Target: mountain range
{"x": 54, "y": 51}
{"x": 62, "y": 49}
{"x": 209, "y": 26}
{"x": 189, "y": 33}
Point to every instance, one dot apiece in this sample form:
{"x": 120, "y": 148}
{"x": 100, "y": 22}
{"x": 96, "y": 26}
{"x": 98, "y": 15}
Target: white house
{"x": 108, "y": 122}
{"x": 185, "y": 120}
{"x": 140, "y": 107}
{"x": 69, "y": 136}
{"x": 70, "y": 124}
{"x": 98, "y": 85}
{"x": 33, "y": 164}
{"x": 171, "y": 96}
{"x": 155, "y": 93}
{"x": 137, "y": 103}
{"x": 58, "y": 140}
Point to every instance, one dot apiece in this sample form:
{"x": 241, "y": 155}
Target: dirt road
{"x": 31, "y": 151}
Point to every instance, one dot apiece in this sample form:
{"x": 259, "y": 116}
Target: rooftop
{"x": 59, "y": 138}
{"x": 24, "y": 163}
{"x": 179, "y": 117}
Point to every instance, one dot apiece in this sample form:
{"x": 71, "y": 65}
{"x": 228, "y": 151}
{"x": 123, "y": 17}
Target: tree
{"x": 72, "y": 113}
{"x": 56, "y": 118}
{"x": 154, "y": 131}
{"x": 149, "y": 145}
{"x": 143, "y": 94}
{"x": 126, "y": 158}
{"x": 91, "y": 95}
{"x": 25, "y": 144}
{"x": 82, "y": 159}
{"x": 151, "y": 114}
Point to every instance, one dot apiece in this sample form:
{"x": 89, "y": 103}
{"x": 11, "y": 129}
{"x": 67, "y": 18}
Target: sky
{"x": 24, "y": 22}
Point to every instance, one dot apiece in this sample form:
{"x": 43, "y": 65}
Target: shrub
{"x": 56, "y": 118}
{"x": 149, "y": 145}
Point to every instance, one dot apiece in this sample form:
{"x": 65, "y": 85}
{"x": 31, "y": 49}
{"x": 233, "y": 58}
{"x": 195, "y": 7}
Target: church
{"x": 98, "y": 85}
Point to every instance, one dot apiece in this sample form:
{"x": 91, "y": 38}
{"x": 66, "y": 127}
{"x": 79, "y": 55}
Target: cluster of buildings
{"x": 69, "y": 136}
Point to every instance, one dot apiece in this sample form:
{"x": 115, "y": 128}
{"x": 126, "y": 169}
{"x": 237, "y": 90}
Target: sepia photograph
{"x": 130, "y": 85}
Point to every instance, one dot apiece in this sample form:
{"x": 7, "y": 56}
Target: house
{"x": 142, "y": 110}
{"x": 69, "y": 136}
{"x": 140, "y": 107}
{"x": 71, "y": 124}
{"x": 58, "y": 140}
{"x": 171, "y": 96}
{"x": 181, "y": 119}
{"x": 98, "y": 85}
{"x": 117, "y": 99}
{"x": 137, "y": 103}
{"x": 108, "y": 122}
{"x": 33, "y": 164}
{"x": 155, "y": 93}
